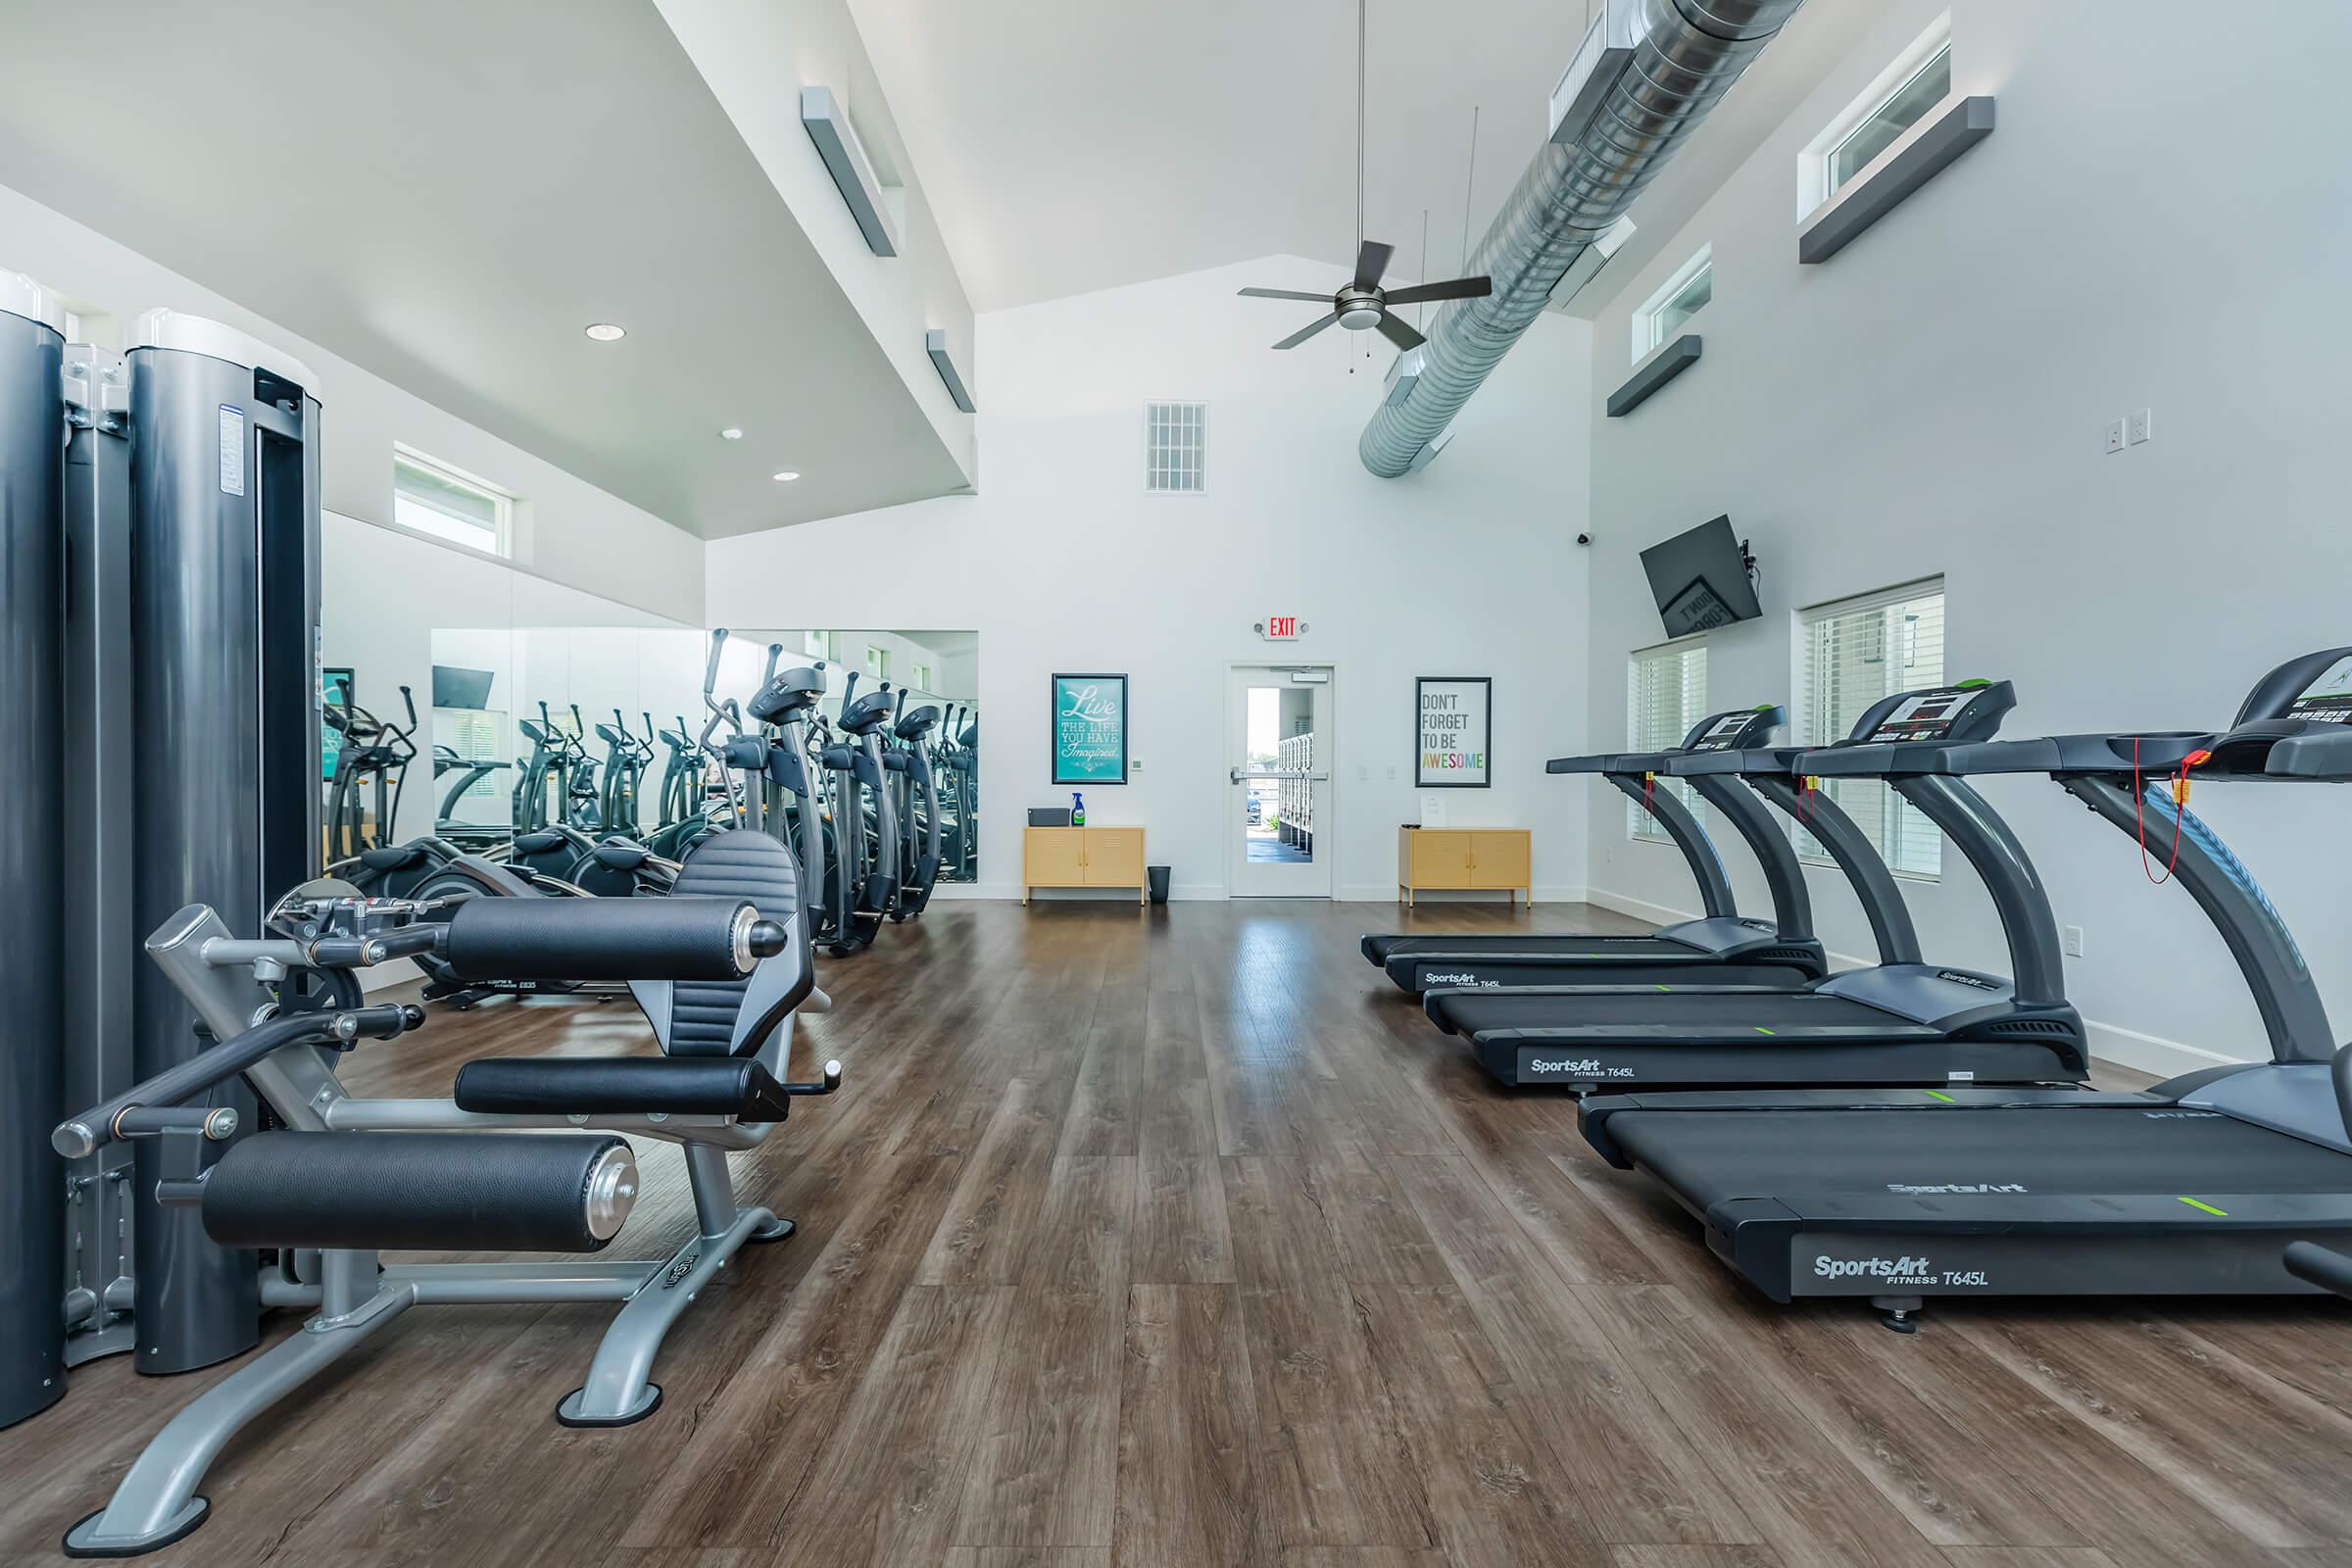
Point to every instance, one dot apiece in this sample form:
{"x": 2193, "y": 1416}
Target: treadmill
{"x": 1900, "y": 1021}
{"x": 1722, "y": 947}
{"x": 2194, "y": 1187}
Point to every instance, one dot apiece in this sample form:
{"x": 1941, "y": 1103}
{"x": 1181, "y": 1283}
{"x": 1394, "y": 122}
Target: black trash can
{"x": 1159, "y": 876}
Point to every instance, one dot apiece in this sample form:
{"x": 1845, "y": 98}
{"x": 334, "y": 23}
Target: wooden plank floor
{"x": 1178, "y": 1237}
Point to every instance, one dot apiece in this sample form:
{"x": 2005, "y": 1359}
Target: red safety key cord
{"x": 2140, "y": 807}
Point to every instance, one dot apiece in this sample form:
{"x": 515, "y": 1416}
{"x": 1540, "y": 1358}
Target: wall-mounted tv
{"x": 456, "y": 686}
{"x": 1701, "y": 579}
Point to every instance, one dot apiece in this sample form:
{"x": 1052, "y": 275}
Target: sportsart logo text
{"x": 1587, "y": 1065}
{"x": 1941, "y": 1188}
{"x": 1457, "y": 980}
{"x": 1877, "y": 1268}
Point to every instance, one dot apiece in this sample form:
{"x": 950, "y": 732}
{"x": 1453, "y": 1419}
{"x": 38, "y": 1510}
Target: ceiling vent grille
{"x": 1176, "y": 448}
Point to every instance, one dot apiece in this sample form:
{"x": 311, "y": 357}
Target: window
{"x": 432, "y": 498}
{"x": 1672, "y": 307}
{"x": 1666, "y": 693}
{"x": 1176, "y": 448}
{"x": 1901, "y": 96}
{"x": 922, "y": 679}
{"x": 1858, "y": 651}
{"x": 877, "y": 661}
{"x": 1890, "y": 118}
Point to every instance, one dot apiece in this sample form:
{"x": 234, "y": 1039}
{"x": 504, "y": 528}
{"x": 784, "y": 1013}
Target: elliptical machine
{"x": 914, "y": 791}
{"x": 376, "y": 753}
{"x": 867, "y": 852}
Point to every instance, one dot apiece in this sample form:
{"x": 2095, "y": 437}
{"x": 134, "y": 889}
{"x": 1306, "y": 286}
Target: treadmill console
{"x": 2325, "y": 698}
{"x": 1741, "y": 729}
{"x": 1938, "y": 713}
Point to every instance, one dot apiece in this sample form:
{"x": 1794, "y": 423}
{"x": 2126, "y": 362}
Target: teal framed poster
{"x": 1090, "y": 729}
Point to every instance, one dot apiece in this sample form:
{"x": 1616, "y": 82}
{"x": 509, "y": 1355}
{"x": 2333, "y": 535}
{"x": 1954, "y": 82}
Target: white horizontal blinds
{"x": 1857, "y": 651}
{"x": 1666, "y": 693}
{"x": 1176, "y": 447}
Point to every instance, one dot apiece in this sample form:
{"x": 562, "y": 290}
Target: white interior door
{"x": 1279, "y": 749}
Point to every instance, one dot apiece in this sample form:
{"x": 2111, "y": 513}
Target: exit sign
{"x": 1280, "y": 628}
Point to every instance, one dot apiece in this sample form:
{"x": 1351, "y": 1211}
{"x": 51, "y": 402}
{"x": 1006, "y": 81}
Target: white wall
{"x": 2156, "y": 222}
{"x": 568, "y": 531}
{"x": 1062, "y": 562}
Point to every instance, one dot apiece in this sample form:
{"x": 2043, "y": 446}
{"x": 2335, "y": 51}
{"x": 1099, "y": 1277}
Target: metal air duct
{"x": 1688, "y": 55}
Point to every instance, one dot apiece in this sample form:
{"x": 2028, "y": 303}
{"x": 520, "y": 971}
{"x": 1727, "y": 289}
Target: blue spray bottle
{"x": 1077, "y": 809}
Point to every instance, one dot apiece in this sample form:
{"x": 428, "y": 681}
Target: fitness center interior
{"x": 1649, "y": 892}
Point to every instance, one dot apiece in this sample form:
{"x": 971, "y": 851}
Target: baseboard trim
{"x": 2110, "y": 1043}
{"x": 958, "y": 892}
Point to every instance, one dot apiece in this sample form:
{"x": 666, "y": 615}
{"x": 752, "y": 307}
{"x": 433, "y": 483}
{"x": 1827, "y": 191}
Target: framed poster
{"x": 1090, "y": 729}
{"x": 334, "y": 691}
{"x": 1453, "y": 729}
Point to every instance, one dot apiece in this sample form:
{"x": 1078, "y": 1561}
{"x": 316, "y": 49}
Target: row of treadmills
{"x": 1910, "y": 1130}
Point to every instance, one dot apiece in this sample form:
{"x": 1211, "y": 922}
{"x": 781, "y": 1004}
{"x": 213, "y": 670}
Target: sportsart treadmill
{"x": 1900, "y": 1021}
{"x": 1722, "y": 948}
{"x": 2194, "y": 1187}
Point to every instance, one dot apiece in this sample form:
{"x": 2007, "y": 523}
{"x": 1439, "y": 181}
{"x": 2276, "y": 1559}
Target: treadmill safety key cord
{"x": 2140, "y": 799}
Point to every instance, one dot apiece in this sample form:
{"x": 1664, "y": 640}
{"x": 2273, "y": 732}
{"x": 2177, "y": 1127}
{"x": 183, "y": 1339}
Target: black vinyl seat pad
{"x": 1665, "y": 1015}
{"x": 1900, "y": 1157}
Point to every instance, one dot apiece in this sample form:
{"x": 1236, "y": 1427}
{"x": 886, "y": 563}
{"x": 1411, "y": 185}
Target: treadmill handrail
{"x": 1699, "y": 850}
{"x": 2295, "y": 1018}
{"x": 1783, "y": 878}
{"x": 1866, "y": 872}
{"x": 1605, "y": 762}
{"x": 2036, "y": 971}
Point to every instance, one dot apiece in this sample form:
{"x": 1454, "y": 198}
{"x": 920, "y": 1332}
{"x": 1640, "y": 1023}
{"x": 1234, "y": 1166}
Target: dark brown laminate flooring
{"x": 1179, "y": 1237}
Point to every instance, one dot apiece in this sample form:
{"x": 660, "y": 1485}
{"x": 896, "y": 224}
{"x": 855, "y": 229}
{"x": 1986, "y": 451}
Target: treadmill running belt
{"x": 1489, "y": 1012}
{"x": 1710, "y": 1158}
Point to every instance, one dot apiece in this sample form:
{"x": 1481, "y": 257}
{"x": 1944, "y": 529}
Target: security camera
{"x": 1584, "y": 538}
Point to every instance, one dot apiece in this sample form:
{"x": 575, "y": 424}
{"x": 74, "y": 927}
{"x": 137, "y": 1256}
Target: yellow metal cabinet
{"x": 1447, "y": 859}
{"x": 1082, "y": 856}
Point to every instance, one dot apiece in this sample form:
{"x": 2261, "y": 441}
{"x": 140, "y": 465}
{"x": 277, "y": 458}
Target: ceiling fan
{"x": 1361, "y": 302}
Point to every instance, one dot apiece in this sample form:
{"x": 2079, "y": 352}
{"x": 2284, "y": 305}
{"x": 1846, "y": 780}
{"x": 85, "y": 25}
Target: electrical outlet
{"x": 2114, "y": 435}
{"x": 1363, "y": 773}
{"x": 2070, "y": 938}
{"x": 2141, "y": 426}
{"x": 1392, "y": 772}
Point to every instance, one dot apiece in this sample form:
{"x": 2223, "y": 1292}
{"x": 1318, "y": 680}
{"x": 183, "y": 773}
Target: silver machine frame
{"x": 355, "y": 1295}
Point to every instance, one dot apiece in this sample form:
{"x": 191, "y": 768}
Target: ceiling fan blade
{"x": 1281, "y": 294}
{"x": 1371, "y": 261}
{"x": 1397, "y": 332}
{"x": 1305, "y": 332}
{"x": 1462, "y": 288}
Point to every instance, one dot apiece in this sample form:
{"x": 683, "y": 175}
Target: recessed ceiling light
{"x": 786, "y": 478}
{"x": 730, "y": 434}
{"x": 607, "y": 332}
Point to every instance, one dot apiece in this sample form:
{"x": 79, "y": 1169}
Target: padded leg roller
{"x": 606, "y": 939}
{"x": 470, "y": 1192}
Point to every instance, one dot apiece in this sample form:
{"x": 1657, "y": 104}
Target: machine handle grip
{"x": 848, "y": 687}
{"x": 718, "y": 643}
{"x": 608, "y": 939}
{"x": 408, "y": 700}
{"x": 775, "y": 654}
{"x": 103, "y": 1123}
